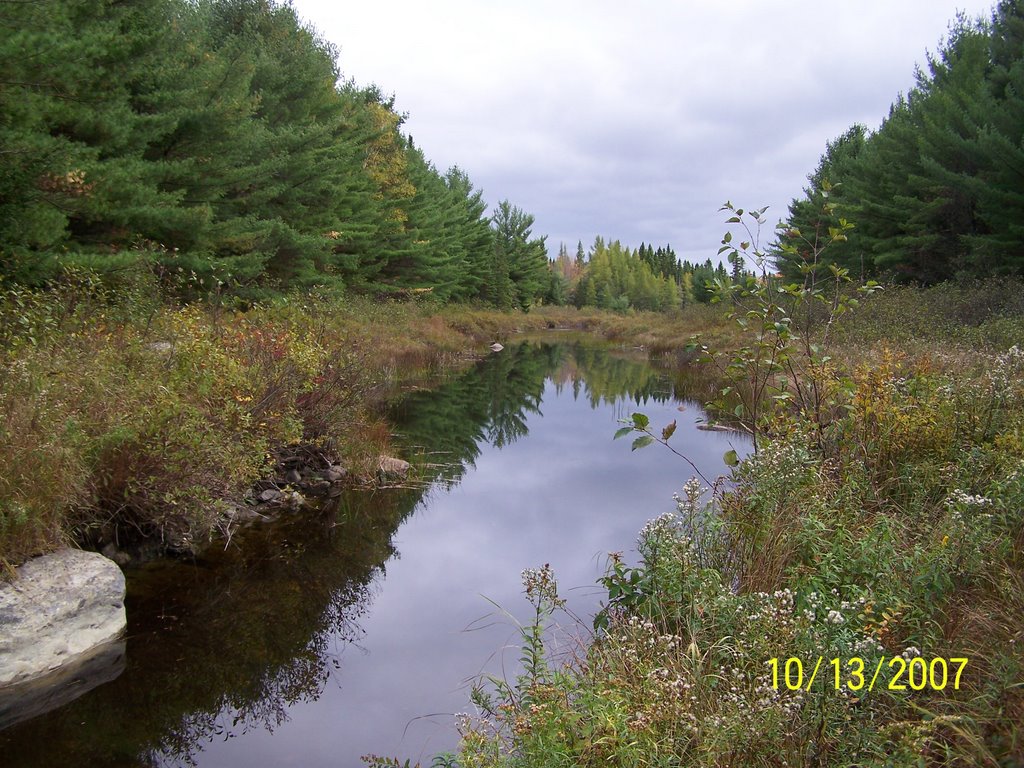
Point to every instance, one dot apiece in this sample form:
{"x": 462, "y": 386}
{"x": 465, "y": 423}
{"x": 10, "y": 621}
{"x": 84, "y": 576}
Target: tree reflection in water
{"x": 489, "y": 405}
{"x": 225, "y": 644}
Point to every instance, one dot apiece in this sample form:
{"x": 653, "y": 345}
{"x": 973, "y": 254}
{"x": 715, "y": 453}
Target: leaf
{"x": 640, "y": 421}
{"x": 731, "y": 459}
{"x": 642, "y": 442}
{"x": 667, "y": 432}
{"x": 622, "y": 432}
{"x": 738, "y": 410}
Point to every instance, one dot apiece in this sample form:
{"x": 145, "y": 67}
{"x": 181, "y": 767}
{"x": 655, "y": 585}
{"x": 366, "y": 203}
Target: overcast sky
{"x": 635, "y": 121}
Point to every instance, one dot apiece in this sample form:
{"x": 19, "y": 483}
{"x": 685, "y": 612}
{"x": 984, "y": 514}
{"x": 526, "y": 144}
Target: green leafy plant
{"x": 782, "y": 362}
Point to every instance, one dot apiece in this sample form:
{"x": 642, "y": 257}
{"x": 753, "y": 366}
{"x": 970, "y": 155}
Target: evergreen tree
{"x": 472, "y": 231}
{"x": 937, "y": 191}
{"x": 998, "y": 247}
{"x": 808, "y": 224}
{"x": 73, "y": 77}
{"x": 520, "y": 261}
{"x": 215, "y": 138}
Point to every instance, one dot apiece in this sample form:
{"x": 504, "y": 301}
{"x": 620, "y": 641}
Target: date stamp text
{"x": 895, "y": 673}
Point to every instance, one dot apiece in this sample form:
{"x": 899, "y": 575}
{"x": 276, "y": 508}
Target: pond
{"x": 358, "y": 630}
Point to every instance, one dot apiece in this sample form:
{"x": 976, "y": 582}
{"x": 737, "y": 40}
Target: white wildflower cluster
{"x": 664, "y": 526}
{"x": 671, "y": 526}
{"x": 663, "y": 536}
{"x": 856, "y": 639}
{"x": 774, "y": 609}
{"x": 748, "y": 699}
{"x": 844, "y": 609}
{"x": 540, "y": 585}
{"x": 814, "y": 603}
{"x": 866, "y": 646}
{"x": 647, "y": 631}
{"x": 780, "y": 462}
{"x": 778, "y": 611}
{"x": 1007, "y": 370}
{"x": 669, "y": 684}
{"x": 646, "y": 652}
{"x": 463, "y": 723}
{"x": 910, "y": 652}
{"x": 689, "y": 504}
{"x": 960, "y": 498}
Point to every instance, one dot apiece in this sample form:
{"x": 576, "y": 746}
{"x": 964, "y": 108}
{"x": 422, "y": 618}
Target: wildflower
{"x": 540, "y": 585}
{"x": 959, "y": 497}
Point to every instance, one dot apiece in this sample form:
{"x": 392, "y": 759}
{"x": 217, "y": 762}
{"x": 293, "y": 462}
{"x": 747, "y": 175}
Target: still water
{"x": 325, "y": 637}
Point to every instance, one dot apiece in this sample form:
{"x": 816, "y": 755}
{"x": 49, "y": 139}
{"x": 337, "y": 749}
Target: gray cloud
{"x": 635, "y": 121}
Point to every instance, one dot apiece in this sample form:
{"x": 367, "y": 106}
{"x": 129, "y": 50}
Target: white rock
{"x": 496, "y": 347}
{"x": 60, "y": 608}
{"x": 393, "y": 469}
{"x": 23, "y": 701}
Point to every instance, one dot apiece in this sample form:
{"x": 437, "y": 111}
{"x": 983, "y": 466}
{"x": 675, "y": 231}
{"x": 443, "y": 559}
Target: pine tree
{"x": 999, "y": 184}
{"x": 520, "y": 262}
{"x": 808, "y": 224}
{"x": 473, "y": 233}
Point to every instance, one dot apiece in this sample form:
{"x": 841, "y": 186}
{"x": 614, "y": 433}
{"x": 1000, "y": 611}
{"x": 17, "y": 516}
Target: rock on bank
{"x": 61, "y": 608}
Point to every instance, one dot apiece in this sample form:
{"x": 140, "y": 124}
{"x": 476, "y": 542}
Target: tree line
{"x": 216, "y": 143}
{"x": 937, "y": 192}
{"x": 615, "y": 277}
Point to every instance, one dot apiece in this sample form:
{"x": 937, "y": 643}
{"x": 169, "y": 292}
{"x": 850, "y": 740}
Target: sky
{"x": 635, "y": 121}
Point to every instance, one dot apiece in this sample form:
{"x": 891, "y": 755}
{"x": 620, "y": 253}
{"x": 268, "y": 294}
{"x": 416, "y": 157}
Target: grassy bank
{"x": 887, "y": 527}
{"x": 123, "y": 418}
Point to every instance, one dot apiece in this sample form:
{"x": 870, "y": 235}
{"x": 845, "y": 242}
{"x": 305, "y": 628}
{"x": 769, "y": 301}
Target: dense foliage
{"x": 215, "y": 142}
{"x": 613, "y": 276}
{"x": 937, "y": 191}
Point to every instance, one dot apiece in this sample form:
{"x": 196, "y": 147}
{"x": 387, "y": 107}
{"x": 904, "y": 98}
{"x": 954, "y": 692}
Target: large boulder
{"x": 60, "y": 609}
{"x": 23, "y": 701}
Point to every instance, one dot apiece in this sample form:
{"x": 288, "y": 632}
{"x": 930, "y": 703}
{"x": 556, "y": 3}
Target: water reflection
{"x": 226, "y": 644}
{"x": 293, "y": 648}
{"x": 490, "y": 406}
